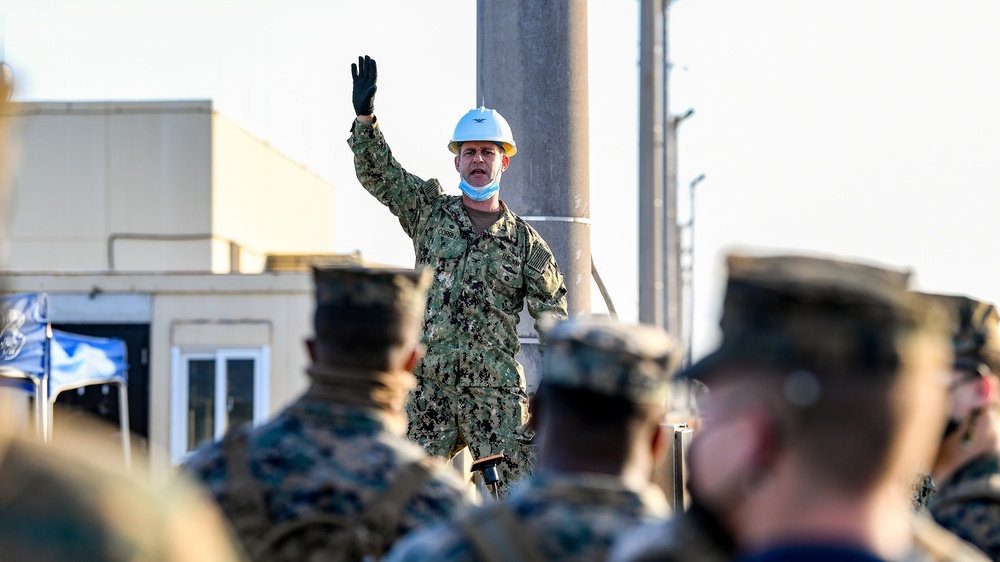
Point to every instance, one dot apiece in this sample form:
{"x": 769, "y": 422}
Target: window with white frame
{"x": 215, "y": 389}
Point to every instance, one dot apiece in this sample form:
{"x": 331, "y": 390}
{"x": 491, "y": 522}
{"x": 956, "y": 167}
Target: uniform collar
{"x": 591, "y": 488}
{"x": 503, "y": 228}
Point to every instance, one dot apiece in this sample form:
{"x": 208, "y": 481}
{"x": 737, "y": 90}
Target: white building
{"x": 154, "y": 222}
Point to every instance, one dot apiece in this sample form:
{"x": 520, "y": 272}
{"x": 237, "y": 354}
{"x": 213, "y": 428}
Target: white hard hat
{"x": 482, "y": 124}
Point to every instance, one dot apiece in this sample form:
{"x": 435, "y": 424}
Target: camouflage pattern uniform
{"x": 471, "y": 390}
{"x": 330, "y": 452}
{"x": 689, "y": 536}
{"x": 563, "y": 515}
{"x": 56, "y": 507}
{"x": 976, "y": 519}
{"x": 967, "y": 502}
{"x": 317, "y": 457}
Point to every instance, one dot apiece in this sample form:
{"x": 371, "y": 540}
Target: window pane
{"x": 201, "y": 402}
{"x": 239, "y": 385}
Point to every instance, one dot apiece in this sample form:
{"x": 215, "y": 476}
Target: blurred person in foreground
{"x": 824, "y": 397}
{"x": 488, "y": 265}
{"x": 967, "y": 468}
{"x": 57, "y": 503}
{"x": 597, "y": 413}
{"x": 69, "y": 502}
{"x": 332, "y": 477}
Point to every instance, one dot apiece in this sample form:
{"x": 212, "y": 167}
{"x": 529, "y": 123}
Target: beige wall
{"x": 97, "y": 174}
{"x": 237, "y": 320}
{"x": 91, "y": 170}
{"x": 264, "y": 200}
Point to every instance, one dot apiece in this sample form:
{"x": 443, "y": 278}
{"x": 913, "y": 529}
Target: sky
{"x": 863, "y": 129}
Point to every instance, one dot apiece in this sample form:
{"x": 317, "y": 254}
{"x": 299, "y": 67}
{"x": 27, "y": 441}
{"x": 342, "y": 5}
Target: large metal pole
{"x": 652, "y": 104}
{"x": 532, "y": 68}
{"x": 672, "y": 276}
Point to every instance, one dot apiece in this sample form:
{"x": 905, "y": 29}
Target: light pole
{"x": 672, "y": 272}
{"x": 689, "y": 269}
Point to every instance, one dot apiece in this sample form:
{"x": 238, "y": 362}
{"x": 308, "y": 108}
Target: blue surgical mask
{"x": 480, "y": 193}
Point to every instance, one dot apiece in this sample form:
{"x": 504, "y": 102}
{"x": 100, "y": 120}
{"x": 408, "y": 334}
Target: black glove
{"x": 365, "y": 73}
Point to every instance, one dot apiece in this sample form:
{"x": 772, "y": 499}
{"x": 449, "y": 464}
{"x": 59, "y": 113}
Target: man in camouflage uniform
{"x": 597, "y": 412}
{"x": 821, "y": 396}
{"x": 487, "y": 264}
{"x": 967, "y": 469}
{"x": 338, "y": 452}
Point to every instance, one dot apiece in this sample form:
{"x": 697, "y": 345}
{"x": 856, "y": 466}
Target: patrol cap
{"x": 632, "y": 362}
{"x": 376, "y": 294}
{"x": 816, "y": 314}
{"x": 975, "y": 333}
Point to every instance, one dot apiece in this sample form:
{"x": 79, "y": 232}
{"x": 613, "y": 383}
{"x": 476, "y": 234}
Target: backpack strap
{"x": 376, "y": 529}
{"x": 932, "y": 543}
{"x": 982, "y": 489}
{"x": 313, "y": 537}
{"x": 497, "y": 536}
{"x": 243, "y": 500}
{"x": 384, "y": 513}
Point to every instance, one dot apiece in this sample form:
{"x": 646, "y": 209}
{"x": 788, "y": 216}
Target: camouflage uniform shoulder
{"x": 439, "y": 542}
{"x": 523, "y": 225}
{"x": 679, "y": 539}
{"x": 531, "y": 236}
{"x": 77, "y": 511}
{"x": 539, "y": 255}
{"x": 932, "y": 543}
{"x": 331, "y": 471}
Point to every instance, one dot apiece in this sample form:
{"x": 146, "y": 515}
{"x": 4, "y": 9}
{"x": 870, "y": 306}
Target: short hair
{"x": 596, "y": 415}
{"x": 366, "y": 340}
{"x": 843, "y": 433}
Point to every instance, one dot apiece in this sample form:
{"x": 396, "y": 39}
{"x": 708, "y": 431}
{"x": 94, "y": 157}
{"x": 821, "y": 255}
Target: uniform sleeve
{"x": 443, "y": 497}
{"x": 545, "y": 290}
{"x": 974, "y": 521}
{"x": 438, "y": 543}
{"x": 407, "y": 196}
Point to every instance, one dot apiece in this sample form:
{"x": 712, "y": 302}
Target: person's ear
{"x": 416, "y": 354}
{"x": 504, "y": 162}
{"x": 535, "y": 411}
{"x": 987, "y": 389}
{"x": 766, "y": 438}
{"x": 658, "y": 443}
{"x": 456, "y": 164}
{"x": 311, "y": 349}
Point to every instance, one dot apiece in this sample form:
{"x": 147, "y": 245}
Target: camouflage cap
{"x": 975, "y": 333}
{"x": 632, "y": 362}
{"x": 817, "y": 314}
{"x": 377, "y": 293}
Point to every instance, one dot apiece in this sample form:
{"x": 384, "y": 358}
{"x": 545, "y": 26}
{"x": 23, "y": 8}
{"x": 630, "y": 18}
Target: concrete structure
{"x": 532, "y": 68}
{"x": 652, "y": 163}
{"x": 131, "y": 217}
{"x": 661, "y": 278}
{"x": 157, "y": 186}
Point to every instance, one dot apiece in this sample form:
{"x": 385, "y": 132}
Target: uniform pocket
{"x": 508, "y": 273}
{"x": 506, "y": 286}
